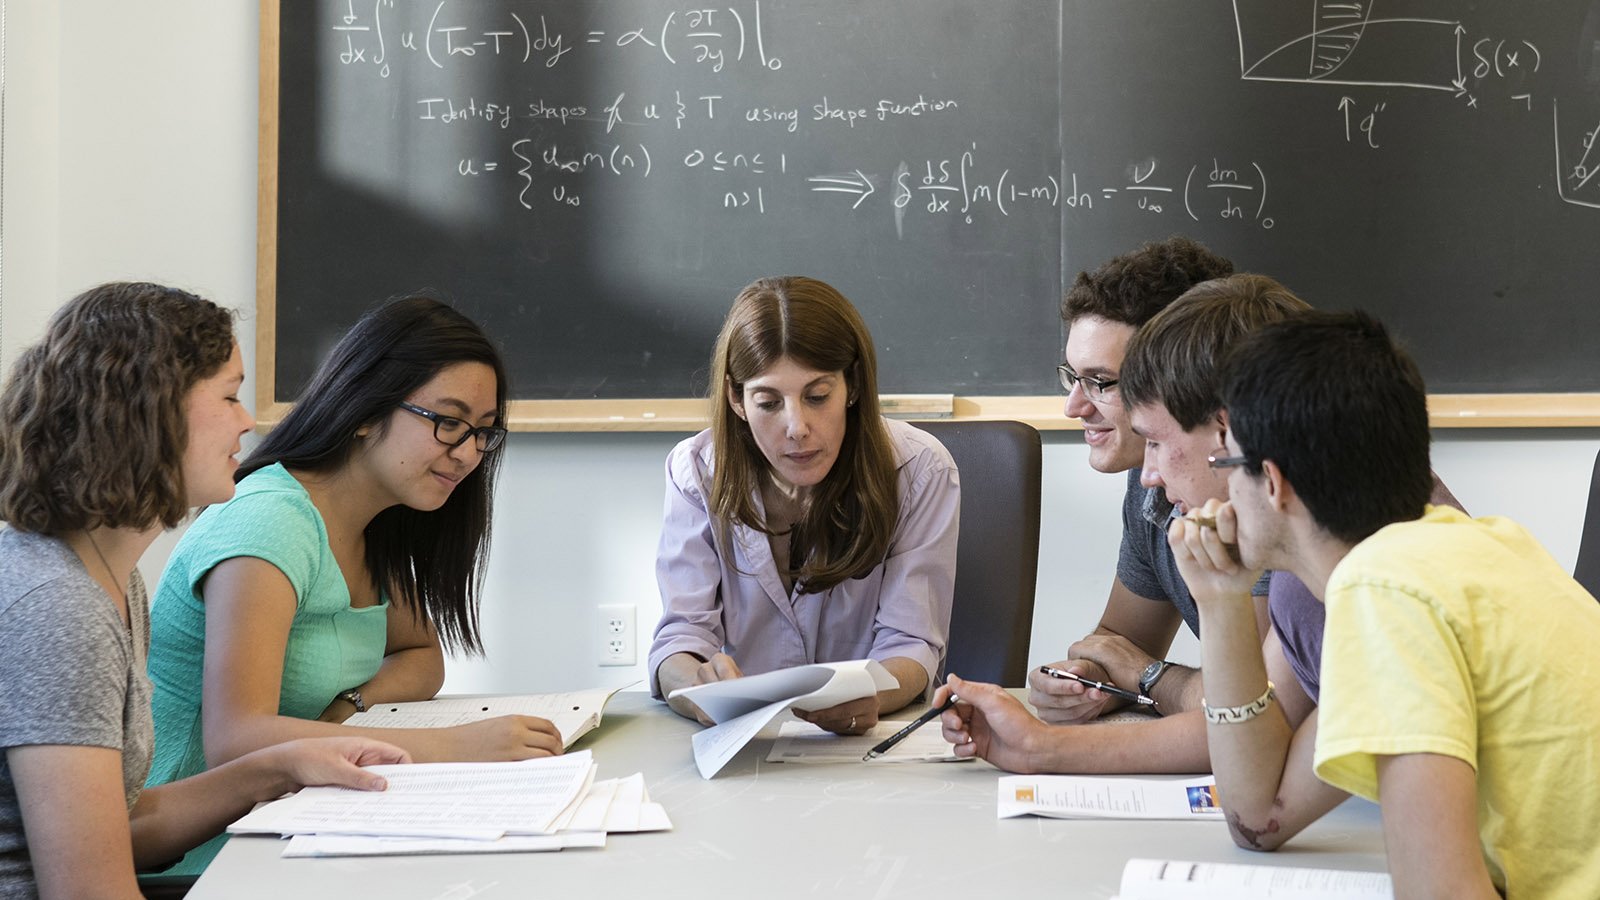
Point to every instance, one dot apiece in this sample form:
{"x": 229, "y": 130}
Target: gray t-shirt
{"x": 1145, "y": 564}
{"x": 71, "y": 673}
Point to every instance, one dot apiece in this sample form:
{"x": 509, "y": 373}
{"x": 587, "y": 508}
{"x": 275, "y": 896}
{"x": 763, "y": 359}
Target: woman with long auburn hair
{"x": 803, "y": 526}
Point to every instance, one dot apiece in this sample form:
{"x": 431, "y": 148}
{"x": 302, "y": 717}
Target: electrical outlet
{"x": 617, "y": 644}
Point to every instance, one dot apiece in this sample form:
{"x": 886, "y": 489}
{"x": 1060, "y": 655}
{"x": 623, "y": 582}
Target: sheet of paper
{"x": 743, "y": 708}
{"x": 714, "y": 747}
{"x": 574, "y": 713}
{"x": 803, "y": 742}
{"x": 817, "y": 686}
{"x": 1108, "y": 797}
{"x": 1150, "y": 879}
{"x": 480, "y": 801}
{"x": 321, "y": 845}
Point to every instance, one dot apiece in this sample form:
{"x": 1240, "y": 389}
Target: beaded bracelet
{"x": 1233, "y": 715}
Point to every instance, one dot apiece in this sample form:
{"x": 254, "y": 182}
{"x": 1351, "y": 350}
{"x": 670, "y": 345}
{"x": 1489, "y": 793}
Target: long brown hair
{"x": 849, "y": 517}
{"x": 94, "y": 423}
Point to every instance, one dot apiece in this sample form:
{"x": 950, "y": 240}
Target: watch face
{"x": 1151, "y": 673}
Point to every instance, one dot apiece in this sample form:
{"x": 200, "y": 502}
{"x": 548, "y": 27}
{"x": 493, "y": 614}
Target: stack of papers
{"x": 1109, "y": 797}
{"x": 536, "y": 804}
{"x": 744, "y": 707}
{"x": 574, "y": 713}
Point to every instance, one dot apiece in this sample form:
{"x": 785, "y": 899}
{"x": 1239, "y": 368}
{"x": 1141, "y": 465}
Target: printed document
{"x": 1151, "y": 879}
{"x": 480, "y": 801}
{"x": 1109, "y": 797}
{"x": 743, "y": 708}
{"x": 574, "y": 713}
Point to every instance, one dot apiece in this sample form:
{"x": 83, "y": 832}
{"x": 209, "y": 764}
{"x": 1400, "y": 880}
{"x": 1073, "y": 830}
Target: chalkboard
{"x": 594, "y": 182}
{"x": 1398, "y": 156}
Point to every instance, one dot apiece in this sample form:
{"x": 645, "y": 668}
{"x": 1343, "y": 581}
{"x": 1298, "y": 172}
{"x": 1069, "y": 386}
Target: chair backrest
{"x": 997, "y": 555}
{"x": 1587, "y": 571}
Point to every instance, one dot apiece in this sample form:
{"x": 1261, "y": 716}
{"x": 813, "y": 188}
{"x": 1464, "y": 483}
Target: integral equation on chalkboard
{"x": 566, "y": 100}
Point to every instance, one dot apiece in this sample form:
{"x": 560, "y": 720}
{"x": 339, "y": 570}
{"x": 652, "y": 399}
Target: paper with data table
{"x": 744, "y": 708}
{"x": 1109, "y": 797}
{"x": 479, "y": 801}
{"x": 574, "y": 713}
{"x": 1153, "y": 879}
{"x": 612, "y": 806}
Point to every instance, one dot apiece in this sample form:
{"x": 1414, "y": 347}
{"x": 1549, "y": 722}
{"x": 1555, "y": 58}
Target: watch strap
{"x": 353, "y": 697}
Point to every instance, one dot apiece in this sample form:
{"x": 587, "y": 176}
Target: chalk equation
{"x": 459, "y": 33}
{"x": 1208, "y": 191}
{"x": 961, "y": 186}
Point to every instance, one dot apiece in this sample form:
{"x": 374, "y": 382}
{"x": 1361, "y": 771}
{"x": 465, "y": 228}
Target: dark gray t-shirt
{"x": 1145, "y": 564}
{"x": 71, "y": 673}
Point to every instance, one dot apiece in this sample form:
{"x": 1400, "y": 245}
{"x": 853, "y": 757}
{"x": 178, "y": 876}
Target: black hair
{"x": 435, "y": 560}
{"x": 1341, "y": 410}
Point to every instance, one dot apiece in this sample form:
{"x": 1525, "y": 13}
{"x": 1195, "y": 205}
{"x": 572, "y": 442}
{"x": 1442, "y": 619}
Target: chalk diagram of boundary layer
{"x": 1347, "y": 42}
{"x": 1576, "y": 181}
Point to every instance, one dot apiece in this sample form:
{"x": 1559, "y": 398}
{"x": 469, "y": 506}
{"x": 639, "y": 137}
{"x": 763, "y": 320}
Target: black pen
{"x": 888, "y": 743}
{"x": 1111, "y": 689}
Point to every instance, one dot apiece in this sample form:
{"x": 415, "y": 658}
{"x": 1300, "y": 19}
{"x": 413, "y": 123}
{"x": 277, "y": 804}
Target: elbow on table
{"x": 1263, "y": 839}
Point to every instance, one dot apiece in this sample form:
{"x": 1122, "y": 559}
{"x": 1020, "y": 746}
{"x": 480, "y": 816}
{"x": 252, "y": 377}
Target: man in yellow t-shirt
{"x": 1460, "y": 686}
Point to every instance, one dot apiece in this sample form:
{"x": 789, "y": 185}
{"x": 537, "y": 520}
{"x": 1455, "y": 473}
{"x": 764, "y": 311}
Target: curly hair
{"x": 1133, "y": 287}
{"x": 93, "y": 424}
{"x": 849, "y": 521}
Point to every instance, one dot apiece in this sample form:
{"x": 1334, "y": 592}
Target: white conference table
{"x": 782, "y": 830}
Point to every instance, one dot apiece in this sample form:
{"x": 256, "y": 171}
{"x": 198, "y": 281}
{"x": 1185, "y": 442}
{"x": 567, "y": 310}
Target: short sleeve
{"x": 275, "y": 526}
{"x": 1395, "y": 680}
{"x": 65, "y": 665}
{"x": 1135, "y": 567}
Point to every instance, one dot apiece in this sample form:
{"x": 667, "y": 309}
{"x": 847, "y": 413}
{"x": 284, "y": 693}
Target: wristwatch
{"x": 1152, "y": 674}
{"x": 352, "y": 696}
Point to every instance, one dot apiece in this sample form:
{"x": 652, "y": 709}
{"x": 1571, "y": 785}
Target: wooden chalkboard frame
{"x": 1538, "y": 410}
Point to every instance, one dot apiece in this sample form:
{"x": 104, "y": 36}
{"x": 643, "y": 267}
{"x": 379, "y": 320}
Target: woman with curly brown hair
{"x": 112, "y": 427}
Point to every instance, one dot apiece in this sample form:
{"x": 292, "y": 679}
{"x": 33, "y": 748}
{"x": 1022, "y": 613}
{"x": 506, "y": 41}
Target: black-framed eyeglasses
{"x": 1093, "y": 388}
{"x": 1228, "y": 462}
{"x": 453, "y": 432}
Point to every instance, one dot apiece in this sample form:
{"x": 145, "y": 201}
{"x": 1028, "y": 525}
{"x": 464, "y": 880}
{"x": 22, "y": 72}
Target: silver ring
{"x": 852, "y": 723}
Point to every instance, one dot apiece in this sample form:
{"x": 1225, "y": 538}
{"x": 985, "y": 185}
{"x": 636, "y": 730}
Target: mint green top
{"x": 331, "y": 646}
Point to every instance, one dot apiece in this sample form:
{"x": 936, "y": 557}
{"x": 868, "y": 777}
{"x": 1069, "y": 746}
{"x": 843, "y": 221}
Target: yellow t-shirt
{"x": 1463, "y": 637}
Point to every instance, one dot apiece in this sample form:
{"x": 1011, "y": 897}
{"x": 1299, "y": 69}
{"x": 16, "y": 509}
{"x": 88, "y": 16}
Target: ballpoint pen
{"x": 1102, "y": 686}
{"x": 888, "y": 743}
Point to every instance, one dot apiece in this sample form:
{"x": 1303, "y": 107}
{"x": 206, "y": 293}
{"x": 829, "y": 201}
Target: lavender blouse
{"x": 720, "y": 589}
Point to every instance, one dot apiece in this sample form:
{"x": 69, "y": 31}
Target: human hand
{"x": 720, "y": 667}
{"x": 1205, "y": 546}
{"x": 1121, "y": 659}
{"x": 989, "y": 723}
{"x": 334, "y": 761}
{"x": 1062, "y": 701}
{"x": 851, "y": 717}
{"x": 503, "y": 738}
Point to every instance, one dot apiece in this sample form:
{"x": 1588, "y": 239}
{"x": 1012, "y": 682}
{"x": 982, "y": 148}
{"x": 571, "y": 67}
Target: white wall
{"x": 130, "y": 152}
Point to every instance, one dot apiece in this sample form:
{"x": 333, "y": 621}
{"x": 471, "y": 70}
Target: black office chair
{"x": 1587, "y": 571}
{"x": 997, "y": 556}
